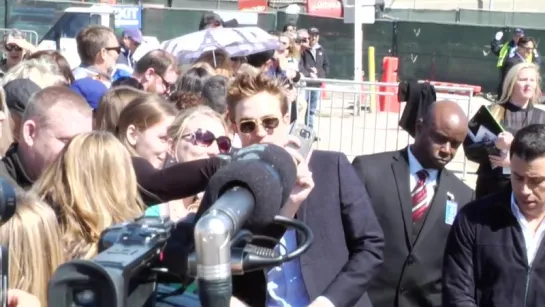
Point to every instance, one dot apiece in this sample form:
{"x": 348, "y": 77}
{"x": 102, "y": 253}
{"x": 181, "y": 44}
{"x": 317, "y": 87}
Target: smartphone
{"x": 4, "y": 261}
{"x": 306, "y": 136}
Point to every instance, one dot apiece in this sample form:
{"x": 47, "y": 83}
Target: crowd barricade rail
{"x": 348, "y": 118}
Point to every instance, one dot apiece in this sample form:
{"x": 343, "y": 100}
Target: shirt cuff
{"x": 325, "y": 301}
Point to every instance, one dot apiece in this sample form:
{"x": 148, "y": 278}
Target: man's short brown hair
{"x": 91, "y": 41}
{"x": 44, "y": 104}
{"x": 247, "y": 85}
{"x": 159, "y": 60}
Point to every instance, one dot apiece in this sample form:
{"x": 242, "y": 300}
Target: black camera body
{"x": 122, "y": 274}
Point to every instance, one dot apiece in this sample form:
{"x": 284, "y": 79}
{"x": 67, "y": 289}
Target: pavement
{"x": 341, "y": 129}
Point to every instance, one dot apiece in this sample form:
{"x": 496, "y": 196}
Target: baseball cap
{"x": 519, "y": 31}
{"x": 314, "y": 31}
{"x": 92, "y": 90}
{"x": 18, "y": 94}
{"x": 134, "y": 34}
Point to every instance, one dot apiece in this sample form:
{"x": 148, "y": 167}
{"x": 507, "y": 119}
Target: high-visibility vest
{"x": 504, "y": 52}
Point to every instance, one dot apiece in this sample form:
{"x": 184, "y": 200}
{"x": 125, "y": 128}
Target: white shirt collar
{"x": 532, "y": 239}
{"x": 415, "y": 166}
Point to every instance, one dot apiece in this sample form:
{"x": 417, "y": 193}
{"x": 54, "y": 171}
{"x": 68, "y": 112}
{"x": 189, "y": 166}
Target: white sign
{"x": 127, "y": 16}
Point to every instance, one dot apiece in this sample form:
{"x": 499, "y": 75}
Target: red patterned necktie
{"x": 419, "y": 196}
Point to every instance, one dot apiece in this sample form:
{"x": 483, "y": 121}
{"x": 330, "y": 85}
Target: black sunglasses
{"x": 170, "y": 88}
{"x": 206, "y": 138}
{"x": 116, "y": 49}
{"x": 250, "y": 125}
{"x": 12, "y": 47}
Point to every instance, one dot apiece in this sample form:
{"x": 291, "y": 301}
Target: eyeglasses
{"x": 168, "y": 86}
{"x": 250, "y": 125}
{"x": 12, "y": 47}
{"x": 205, "y": 138}
{"x": 116, "y": 49}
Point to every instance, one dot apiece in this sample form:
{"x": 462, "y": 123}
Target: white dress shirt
{"x": 532, "y": 240}
{"x": 431, "y": 180}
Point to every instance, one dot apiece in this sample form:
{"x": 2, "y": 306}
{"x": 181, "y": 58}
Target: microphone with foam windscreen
{"x": 249, "y": 193}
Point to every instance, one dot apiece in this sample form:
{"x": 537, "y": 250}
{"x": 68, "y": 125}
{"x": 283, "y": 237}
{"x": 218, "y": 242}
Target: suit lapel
{"x": 436, "y": 212}
{"x": 400, "y": 167}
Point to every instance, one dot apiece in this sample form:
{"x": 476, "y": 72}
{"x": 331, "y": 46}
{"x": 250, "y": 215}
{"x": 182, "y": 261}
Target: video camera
{"x": 7, "y": 210}
{"x": 126, "y": 272}
{"x": 242, "y": 198}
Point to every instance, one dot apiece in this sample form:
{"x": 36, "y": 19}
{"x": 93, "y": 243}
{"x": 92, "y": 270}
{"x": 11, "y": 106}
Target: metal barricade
{"x": 30, "y": 36}
{"x": 348, "y": 119}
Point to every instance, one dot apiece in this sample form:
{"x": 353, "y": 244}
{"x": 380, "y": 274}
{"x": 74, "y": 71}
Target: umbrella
{"x": 235, "y": 41}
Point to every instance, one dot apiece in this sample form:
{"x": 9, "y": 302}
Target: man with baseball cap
{"x": 130, "y": 40}
{"x": 504, "y": 49}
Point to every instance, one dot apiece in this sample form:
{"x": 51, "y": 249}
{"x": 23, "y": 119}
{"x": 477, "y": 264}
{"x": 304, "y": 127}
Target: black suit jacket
{"x": 411, "y": 274}
{"x": 348, "y": 241}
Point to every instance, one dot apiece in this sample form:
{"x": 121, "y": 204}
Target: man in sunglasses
{"x": 98, "y": 50}
{"x": 348, "y": 243}
{"x": 157, "y": 71}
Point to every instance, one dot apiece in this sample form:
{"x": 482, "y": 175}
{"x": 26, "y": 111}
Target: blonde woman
{"x": 43, "y": 71}
{"x": 143, "y": 125}
{"x": 5, "y": 122}
{"x": 196, "y": 133}
{"x": 16, "y": 49}
{"x": 111, "y": 105}
{"x": 515, "y": 110}
{"x": 91, "y": 186}
{"x": 35, "y": 249}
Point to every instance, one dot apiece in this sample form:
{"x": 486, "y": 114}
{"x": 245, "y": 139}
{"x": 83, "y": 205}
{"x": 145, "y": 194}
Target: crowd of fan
{"x": 86, "y": 153}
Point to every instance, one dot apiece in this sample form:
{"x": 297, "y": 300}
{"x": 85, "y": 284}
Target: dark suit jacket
{"x": 348, "y": 242}
{"x": 411, "y": 273}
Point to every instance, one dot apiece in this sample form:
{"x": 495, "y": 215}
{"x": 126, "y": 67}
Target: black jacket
{"x": 419, "y": 96}
{"x": 413, "y": 258}
{"x": 12, "y": 169}
{"x": 320, "y": 62}
{"x": 348, "y": 241}
{"x": 485, "y": 260}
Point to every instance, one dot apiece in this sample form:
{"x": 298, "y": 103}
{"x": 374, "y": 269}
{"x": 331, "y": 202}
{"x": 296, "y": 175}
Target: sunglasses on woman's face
{"x": 250, "y": 125}
{"x": 205, "y": 138}
{"x": 12, "y": 47}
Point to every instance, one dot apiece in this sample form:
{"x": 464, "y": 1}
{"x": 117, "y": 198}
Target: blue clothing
{"x": 285, "y": 284}
{"x": 91, "y": 89}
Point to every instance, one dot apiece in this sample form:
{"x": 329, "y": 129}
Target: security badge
{"x": 451, "y": 209}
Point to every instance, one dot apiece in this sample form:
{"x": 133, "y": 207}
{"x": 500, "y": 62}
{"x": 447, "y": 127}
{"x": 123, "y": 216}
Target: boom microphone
{"x": 248, "y": 192}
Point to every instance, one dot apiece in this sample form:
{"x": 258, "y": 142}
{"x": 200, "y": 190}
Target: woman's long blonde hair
{"x": 35, "y": 251}
{"x": 43, "y": 72}
{"x": 508, "y": 86}
{"x": 142, "y": 113}
{"x": 6, "y": 134}
{"x": 91, "y": 185}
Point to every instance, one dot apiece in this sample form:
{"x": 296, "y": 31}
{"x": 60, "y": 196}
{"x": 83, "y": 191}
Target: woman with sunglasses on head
{"x": 196, "y": 133}
{"x": 16, "y": 48}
